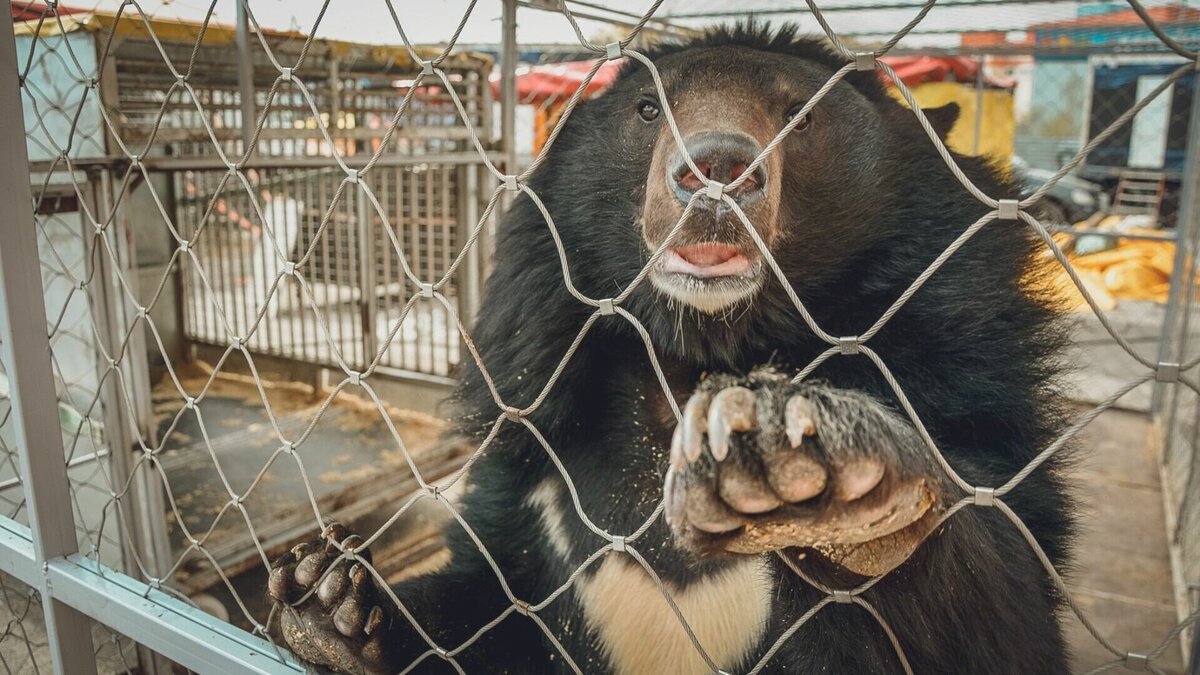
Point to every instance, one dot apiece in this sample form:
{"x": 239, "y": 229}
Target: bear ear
{"x": 942, "y": 118}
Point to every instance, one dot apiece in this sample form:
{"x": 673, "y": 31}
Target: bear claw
{"x": 799, "y": 420}
{"x": 695, "y": 425}
{"x": 731, "y": 410}
{"x": 743, "y": 478}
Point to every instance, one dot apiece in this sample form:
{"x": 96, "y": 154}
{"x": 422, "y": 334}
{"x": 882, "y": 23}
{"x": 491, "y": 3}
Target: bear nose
{"x": 722, "y": 157}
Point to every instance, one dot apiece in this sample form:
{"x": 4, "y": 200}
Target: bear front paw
{"x": 331, "y": 611}
{"x": 759, "y": 464}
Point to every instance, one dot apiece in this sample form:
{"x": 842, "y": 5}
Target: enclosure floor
{"x": 1100, "y": 366}
{"x": 1122, "y": 575}
{"x": 351, "y": 460}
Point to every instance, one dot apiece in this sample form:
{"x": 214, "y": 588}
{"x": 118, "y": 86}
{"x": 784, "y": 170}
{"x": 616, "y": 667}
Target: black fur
{"x": 974, "y": 350}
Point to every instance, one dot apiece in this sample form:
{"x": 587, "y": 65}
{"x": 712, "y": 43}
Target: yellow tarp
{"x": 1136, "y": 269}
{"x": 996, "y": 128}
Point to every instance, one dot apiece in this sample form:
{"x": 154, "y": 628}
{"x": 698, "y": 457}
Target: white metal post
{"x": 1172, "y": 346}
{"x": 245, "y": 74}
{"x": 368, "y": 282}
{"x": 508, "y": 86}
{"x": 25, "y": 350}
{"x": 469, "y": 218}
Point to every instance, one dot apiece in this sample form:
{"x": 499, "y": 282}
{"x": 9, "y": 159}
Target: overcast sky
{"x": 432, "y": 21}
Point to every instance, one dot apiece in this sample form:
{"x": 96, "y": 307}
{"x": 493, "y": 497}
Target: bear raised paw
{"x": 759, "y": 464}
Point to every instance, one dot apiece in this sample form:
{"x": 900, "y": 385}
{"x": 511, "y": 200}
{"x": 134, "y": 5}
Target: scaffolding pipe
{"x": 245, "y": 76}
{"x": 508, "y": 86}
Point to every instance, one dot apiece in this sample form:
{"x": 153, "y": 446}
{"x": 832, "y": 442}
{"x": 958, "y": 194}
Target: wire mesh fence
{"x": 332, "y": 204}
{"x": 362, "y": 290}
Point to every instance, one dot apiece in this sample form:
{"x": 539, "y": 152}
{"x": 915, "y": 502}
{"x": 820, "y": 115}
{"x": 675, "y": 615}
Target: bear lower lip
{"x": 706, "y": 261}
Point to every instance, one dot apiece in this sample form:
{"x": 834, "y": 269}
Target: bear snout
{"x": 719, "y": 156}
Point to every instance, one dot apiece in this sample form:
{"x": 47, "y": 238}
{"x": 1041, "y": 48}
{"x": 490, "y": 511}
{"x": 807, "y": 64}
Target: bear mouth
{"x": 709, "y": 276}
{"x": 710, "y": 260}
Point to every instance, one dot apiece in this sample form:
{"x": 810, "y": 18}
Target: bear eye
{"x": 795, "y": 110}
{"x": 648, "y": 111}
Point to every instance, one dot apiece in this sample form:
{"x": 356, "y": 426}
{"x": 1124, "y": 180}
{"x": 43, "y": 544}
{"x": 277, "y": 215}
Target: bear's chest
{"x": 639, "y": 631}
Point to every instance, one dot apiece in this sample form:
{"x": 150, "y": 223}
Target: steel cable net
{"x": 76, "y": 381}
{"x": 23, "y": 644}
{"x": 99, "y": 237}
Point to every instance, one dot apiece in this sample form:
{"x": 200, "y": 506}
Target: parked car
{"x": 1071, "y": 200}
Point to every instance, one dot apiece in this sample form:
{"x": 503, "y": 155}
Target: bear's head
{"x": 831, "y": 199}
{"x": 728, "y": 103}
{"x": 730, "y": 94}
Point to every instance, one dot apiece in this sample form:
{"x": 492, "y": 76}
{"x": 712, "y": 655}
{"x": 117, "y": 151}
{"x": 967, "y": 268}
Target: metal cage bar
{"x": 25, "y": 350}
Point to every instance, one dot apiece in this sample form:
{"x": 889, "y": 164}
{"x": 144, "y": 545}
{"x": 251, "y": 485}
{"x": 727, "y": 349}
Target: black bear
{"x": 769, "y": 489}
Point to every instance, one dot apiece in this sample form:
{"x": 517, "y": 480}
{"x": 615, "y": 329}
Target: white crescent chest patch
{"x": 640, "y": 633}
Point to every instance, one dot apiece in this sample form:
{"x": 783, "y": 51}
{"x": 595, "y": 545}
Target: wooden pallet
{"x": 1140, "y": 193}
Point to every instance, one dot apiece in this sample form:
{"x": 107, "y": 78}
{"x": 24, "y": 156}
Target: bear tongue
{"x": 707, "y": 255}
{"x": 707, "y": 260}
